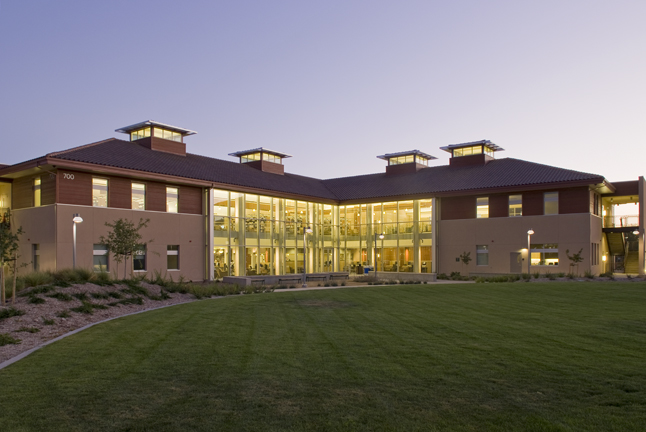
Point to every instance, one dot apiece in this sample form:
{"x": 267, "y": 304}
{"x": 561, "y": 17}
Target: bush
{"x": 7, "y": 339}
{"x": 63, "y": 314}
{"x": 80, "y": 296}
{"x": 536, "y": 275}
{"x": 588, "y": 274}
{"x": 365, "y": 279}
{"x": 10, "y": 312}
{"x": 526, "y": 276}
{"x": 570, "y": 275}
{"x": 36, "y": 278}
{"x": 35, "y": 300}
{"x": 442, "y": 276}
{"x": 101, "y": 296}
{"x": 47, "y": 321}
{"x": 560, "y": 274}
{"x": 28, "y": 329}
{"x": 334, "y": 284}
{"x": 61, "y": 296}
{"x": 343, "y": 283}
{"x": 88, "y": 308}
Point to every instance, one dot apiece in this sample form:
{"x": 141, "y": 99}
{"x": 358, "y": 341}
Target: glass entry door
{"x": 328, "y": 259}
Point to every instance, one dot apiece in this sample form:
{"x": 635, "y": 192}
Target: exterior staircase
{"x": 615, "y": 243}
{"x": 631, "y": 262}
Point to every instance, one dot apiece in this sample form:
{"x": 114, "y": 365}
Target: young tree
{"x": 575, "y": 259}
{"x": 124, "y": 240}
{"x": 465, "y": 257}
{"x": 8, "y": 250}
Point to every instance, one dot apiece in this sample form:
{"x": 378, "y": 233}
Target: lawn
{"x": 522, "y": 356}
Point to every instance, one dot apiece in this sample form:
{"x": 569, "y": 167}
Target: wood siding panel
{"x": 156, "y": 196}
{"x": 190, "y": 200}
{"x": 22, "y": 193}
{"x": 77, "y": 191}
{"x": 119, "y": 193}
{"x": 47, "y": 189}
{"x": 458, "y": 208}
{"x": 576, "y": 200}
{"x": 532, "y": 203}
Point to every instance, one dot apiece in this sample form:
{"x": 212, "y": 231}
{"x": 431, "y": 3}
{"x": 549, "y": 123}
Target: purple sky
{"x": 334, "y": 83}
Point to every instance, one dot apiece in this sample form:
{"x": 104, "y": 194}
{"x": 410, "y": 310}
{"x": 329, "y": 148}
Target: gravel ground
{"x": 36, "y": 315}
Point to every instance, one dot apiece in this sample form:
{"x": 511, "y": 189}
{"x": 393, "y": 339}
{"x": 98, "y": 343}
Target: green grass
{"x": 501, "y": 357}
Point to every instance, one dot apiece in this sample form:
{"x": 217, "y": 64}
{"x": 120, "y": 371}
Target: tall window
{"x": 37, "y": 201}
{"x": 172, "y": 199}
{"x": 545, "y": 254}
{"x": 169, "y": 135}
{"x": 99, "y": 192}
{"x": 551, "y": 203}
{"x": 138, "y": 196}
{"x": 35, "y": 256}
{"x": 482, "y": 207}
{"x": 141, "y": 133}
{"x": 515, "y": 205}
{"x": 139, "y": 260}
{"x": 482, "y": 255}
{"x": 172, "y": 257}
{"x": 100, "y": 258}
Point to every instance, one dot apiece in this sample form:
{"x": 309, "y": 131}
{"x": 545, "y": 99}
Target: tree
{"x": 575, "y": 259}
{"x": 124, "y": 240}
{"x": 465, "y": 257}
{"x": 8, "y": 250}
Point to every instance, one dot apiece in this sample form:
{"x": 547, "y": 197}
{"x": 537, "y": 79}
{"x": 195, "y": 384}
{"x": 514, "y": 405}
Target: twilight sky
{"x": 334, "y": 83}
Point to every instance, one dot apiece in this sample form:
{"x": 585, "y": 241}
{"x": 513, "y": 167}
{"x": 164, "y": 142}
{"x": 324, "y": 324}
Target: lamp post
{"x": 306, "y": 231}
{"x": 381, "y": 236}
{"x": 529, "y": 253}
{"x": 76, "y": 219}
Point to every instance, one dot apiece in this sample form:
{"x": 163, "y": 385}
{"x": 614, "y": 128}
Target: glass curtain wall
{"x": 261, "y": 235}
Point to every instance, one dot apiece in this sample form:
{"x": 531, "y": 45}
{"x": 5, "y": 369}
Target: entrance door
{"x": 328, "y": 258}
{"x": 515, "y": 262}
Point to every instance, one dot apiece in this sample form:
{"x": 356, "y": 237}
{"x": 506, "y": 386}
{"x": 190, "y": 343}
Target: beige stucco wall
{"x": 509, "y": 234}
{"x": 164, "y": 229}
{"x": 39, "y": 226}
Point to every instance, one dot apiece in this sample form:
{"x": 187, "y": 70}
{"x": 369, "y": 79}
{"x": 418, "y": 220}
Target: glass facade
{"x": 261, "y": 235}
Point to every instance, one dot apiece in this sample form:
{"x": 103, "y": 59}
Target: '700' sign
{"x": 68, "y": 176}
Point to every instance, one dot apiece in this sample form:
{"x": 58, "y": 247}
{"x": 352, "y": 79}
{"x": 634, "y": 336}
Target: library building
{"x": 249, "y": 218}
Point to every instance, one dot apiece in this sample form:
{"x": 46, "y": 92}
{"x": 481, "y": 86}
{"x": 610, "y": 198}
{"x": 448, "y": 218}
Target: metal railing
{"x": 621, "y": 221}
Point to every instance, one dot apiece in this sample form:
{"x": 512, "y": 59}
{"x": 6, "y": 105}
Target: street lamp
{"x": 381, "y": 236}
{"x": 77, "y": 219}
{"x": 529, "y": 253}
{"x": 306, "y": 231}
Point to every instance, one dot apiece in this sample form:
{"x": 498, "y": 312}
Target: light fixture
{"x": 529, "y": 251}
{"x": 636, "y": 232}
{"x": 76, "y": 219}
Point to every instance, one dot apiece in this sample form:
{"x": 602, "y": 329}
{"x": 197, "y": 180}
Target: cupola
{"x": 158, "y": 136}
{"x": 263, "y": 159}
{"x": 406, "y": 161}
{"x": 471, "y": 153}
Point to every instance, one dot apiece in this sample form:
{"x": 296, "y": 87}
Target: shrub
{"x": 365, "y": 278}
{"x": 61, "y": 296}
{"x": 47, "y": 321}
{"x": 442, "y": 276}
{"x": 480, "y": 280}
{"x": 35, "y": 300}
{"x": 28, "y": 329}
{"x": 588, "y": 274}
{"x": 80, "y": 296}
{"x": 115, "y": 294}
{"x": 7, "y": 339}
{"x": 38, "y": 290}
{"x": 102, "y": 279}
{"x": 526, "y": 276}
{"x": 63, "y": 314}
{"x": 36, "y": 278}
{"x": 10, "y": 312}
{"x": 102, "y": 296}
{"x": 88, "y": 308}
{"x": 343, "y": 283}
{"x": 560, "y": 274}
{"x": 126, "y": 301}
{"x": 327, "y": 284}
{"x": 536, "y": 275}
{"x": 570, "y": 275}
{"x": 334, "y": 284}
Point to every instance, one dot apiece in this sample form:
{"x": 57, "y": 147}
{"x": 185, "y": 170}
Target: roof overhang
{"x": 407, "y": 153}
{"x": 153, "y": 123}
{"x": 494, "y": 147}
{"x": 260, "y": 150}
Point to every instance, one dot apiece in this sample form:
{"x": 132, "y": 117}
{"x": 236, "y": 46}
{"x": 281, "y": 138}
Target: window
{"x": 515, "y": 205}
{"x": 169, "y": 135}
{"x": 138, "y": 134}
{"x": 100, "y": 258}
{"x": 37, "y": 201}
{"x": 482, "y": 255}
{"x": 139, "y": 260}
{"x": 99, "y": 192}
{"x": 421, "y": 160}
{"x": 545, "y": 254}
{"x": 401, "y": 160}
{"x": 271, "y": 158}
{"x": 35, "y": 256}
{"x": 482, "y": 207}
{"x": 250, "y": 157}
{"x": 551, "y": 203}
{"x": 172, "y": 199}
{"x": 467, "y": 151}
{"x": 595, "y": 253}
{"x": 172, "y": 257}
{"x": 138, "y": 196}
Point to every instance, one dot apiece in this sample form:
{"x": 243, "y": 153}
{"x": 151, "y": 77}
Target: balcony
{"x": 621, "y": 221}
